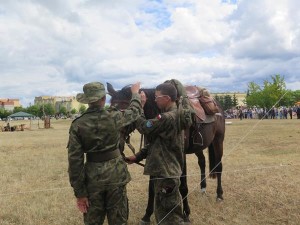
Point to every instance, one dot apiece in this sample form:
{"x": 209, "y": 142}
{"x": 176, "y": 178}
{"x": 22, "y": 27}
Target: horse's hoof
{"x": 219, "y": 199}
{"x": 186, "y": 220}
{"x": 203, "y": 191}
{"x": 142, "y": 222}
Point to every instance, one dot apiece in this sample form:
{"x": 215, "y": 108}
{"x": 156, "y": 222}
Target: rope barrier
{"x": 145, "y": 179}
{"x": 35, "y": 191}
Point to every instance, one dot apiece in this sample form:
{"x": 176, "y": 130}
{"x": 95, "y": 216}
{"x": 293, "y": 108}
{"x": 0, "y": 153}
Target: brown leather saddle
{"x": 194, "y": 95}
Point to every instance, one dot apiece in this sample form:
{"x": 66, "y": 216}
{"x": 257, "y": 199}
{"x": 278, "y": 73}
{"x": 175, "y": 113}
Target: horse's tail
{"x": 212, "y": 161}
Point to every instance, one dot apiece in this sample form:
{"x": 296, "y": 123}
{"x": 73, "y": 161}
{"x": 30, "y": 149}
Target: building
{"x": 69, "y": 102}
{"x": 241, "y": 97}
{"x": 9, "y": 103}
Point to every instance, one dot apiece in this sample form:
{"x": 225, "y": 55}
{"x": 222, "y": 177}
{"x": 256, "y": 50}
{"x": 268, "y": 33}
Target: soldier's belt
{"x": 102, "y": 156}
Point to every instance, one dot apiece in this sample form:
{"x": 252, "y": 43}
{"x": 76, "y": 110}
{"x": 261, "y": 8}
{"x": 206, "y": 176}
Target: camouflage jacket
{"x": 164, "y": 154}
{"x": 98, "y": 130}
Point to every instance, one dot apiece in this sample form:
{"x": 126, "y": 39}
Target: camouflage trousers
{"x": 111, "y": 203}
{"x": 168, "y": 201}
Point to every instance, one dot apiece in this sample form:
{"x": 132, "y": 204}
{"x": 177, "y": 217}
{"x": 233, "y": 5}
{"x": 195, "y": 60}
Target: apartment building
{"x": 9, "y": 103}
{"x": 69, "y": 102}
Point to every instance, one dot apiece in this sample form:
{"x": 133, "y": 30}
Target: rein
{"x": 130, "y": 146}
{"x": 127, "y": 137}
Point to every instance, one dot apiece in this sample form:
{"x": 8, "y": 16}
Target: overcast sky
{"x": 53, "y": 47}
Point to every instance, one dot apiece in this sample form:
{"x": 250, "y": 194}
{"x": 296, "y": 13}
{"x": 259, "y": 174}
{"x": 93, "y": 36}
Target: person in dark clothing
{"x": 298, "y": 112}
{"x": 290, "y": 111}
{"x": 99, "y": 182}
{"x": 164, "y": 155}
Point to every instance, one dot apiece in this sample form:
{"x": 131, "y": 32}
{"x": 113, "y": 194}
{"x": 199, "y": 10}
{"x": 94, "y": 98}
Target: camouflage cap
{"x": 92, "y": 92}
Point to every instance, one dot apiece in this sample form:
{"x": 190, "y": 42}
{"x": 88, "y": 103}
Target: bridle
{"x": 126, "y": 136}
{"x": 130, "y": 146}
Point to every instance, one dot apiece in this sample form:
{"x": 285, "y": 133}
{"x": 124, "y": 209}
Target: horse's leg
{"x": 184, "y": 192}
{"x": 201, "y": 163}
{"x": 217, "y": 148}
{"x": 150, "y": 206}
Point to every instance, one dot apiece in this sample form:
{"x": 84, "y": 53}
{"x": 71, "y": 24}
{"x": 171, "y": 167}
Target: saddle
{"x": 204, "y": 105}
{"x": 193, "y": 96}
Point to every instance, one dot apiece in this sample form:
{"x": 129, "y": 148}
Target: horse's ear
{"x": 111, "y": 91}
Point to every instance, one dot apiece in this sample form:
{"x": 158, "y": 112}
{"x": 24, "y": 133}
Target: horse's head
{"x": 121, "y": 98}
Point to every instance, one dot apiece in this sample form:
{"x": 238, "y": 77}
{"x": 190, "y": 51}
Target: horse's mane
{"x": 150, "y": 108}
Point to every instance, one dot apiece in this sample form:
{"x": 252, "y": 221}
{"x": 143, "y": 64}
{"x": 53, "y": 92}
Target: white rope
{"x": 144, "y": 179}
{"x": 35, "y": 191}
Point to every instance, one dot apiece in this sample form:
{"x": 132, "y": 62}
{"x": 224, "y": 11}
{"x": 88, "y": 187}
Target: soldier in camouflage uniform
{"x": 164, "y": 155}
{"x": 99, "y": 182}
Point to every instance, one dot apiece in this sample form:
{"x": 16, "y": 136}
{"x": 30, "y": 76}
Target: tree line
{"x": 42, "y": 110}
{"x": 271, "y": 93}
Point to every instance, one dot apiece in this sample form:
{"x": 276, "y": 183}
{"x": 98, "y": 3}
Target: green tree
{"x": 4, "y": 113}
{"x": 47, "y": 110}
{"x": 291, "y": 97}
{"x": 73, "y": 111}
{"x": 227, "y": 102}
{"x": 253, "y": 96}
{"x": 82, "y": 109}
{"x": 63, "y": 110}
{"x": 234, "y": 100}
{"x": 217, "y": 98}
{"x": 33, "y": 109}
{"x": 269, "y": 94}
{"x": 222, "y": 101}
{"x": 19, "y": 109}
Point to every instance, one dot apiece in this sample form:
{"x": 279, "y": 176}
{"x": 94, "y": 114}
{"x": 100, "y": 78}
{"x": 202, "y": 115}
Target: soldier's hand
{"x": 135, "y": 88}
{"x": 143, "y": 98}
{"x": 130, "y": 159}
{"x": 83, "y": 204}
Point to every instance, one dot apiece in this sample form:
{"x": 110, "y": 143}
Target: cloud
{"x": 264, "y": 30}
{"x": 54, "y": 47}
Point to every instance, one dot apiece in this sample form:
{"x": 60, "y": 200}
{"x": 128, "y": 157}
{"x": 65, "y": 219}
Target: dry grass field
{"x": 261, "y": 177}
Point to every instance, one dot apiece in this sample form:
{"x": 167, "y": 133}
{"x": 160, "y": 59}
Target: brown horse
{"x": 211, "y": 135}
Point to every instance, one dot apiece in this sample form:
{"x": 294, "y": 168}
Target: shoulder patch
{"x": 149, "y": 124}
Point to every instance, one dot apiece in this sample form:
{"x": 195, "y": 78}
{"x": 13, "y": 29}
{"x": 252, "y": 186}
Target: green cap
{"x": 92, "y": 93}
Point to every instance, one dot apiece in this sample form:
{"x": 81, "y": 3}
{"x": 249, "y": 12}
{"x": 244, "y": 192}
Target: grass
{"x": 261, "y": 177}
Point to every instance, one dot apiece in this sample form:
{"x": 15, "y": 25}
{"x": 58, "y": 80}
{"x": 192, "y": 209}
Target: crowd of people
{"x": 281, "y": 112}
